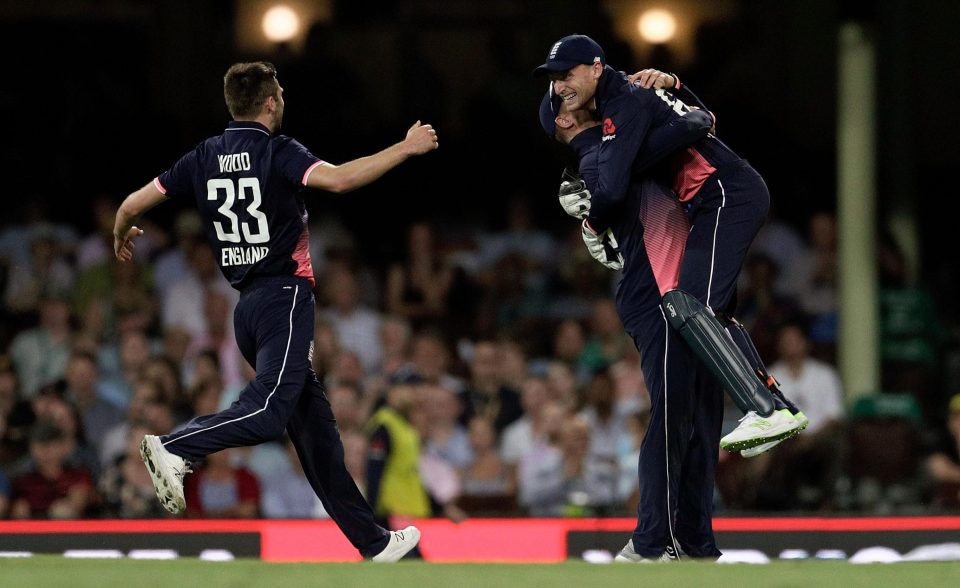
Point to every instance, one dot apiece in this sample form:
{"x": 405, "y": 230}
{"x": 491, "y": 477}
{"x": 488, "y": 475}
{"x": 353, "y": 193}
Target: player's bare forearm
{"x": 359, "y": 172}
{"x": 355, "y": 174}
{"x": 125, "y": 219}
{"x": 653, "y": 78}
{"x": 133, "y": 206}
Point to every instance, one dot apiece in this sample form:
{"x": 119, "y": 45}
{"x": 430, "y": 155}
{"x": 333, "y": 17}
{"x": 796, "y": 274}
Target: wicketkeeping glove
{"x": 574, "y": 196}
{"x": 602, "y": 247}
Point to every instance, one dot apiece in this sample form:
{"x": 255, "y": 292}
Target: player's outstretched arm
{"x": 130, "y": 210}
{"x": 355, "y": 174}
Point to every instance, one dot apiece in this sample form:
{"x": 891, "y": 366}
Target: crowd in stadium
{"x": 501, "y": 351}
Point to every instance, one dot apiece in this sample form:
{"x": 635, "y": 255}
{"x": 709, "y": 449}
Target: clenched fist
{"x": 421, "y": 139}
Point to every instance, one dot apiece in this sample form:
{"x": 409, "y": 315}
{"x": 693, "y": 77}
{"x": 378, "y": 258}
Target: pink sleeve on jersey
{"x": 159, "y": 186}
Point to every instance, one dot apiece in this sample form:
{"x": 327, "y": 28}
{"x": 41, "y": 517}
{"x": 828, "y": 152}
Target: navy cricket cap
{"x": 549, "y": 108}
{"x": 569, "y": 52}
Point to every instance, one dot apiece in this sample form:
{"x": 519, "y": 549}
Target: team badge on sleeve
{"x": 609, "y": 129}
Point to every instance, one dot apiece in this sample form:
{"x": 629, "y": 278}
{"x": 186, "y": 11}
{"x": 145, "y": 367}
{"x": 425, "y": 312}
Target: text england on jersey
{"x": 242, "y": 255}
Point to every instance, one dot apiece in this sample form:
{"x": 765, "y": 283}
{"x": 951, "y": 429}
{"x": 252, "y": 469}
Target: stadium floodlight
{"x": 280, "y": 23}
{"x": 657, "y": 26}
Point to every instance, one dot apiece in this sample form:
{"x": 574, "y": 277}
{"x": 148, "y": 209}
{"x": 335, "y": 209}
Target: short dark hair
{"x": 246, "y": 87}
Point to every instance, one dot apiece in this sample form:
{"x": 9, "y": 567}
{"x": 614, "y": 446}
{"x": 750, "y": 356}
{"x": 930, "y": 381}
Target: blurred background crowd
{"x": 469, "y": 344}
{"x": 494, "y": 360}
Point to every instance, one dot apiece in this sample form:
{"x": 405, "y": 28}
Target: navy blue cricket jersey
{"x": 651, "y": 227}
{"x": 248, "y": 185}
{"x": 629, "y": 114}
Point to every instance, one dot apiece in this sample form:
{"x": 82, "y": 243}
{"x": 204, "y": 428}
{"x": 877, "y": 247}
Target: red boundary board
{"x": 487, "y": 540}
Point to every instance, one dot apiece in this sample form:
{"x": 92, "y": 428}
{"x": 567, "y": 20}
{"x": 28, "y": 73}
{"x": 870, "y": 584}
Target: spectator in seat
{"x": 569, "y": 341}
{"x": 628, "y": 455}
{"x": 760, "y": 307}
{"x": 608, "y": 341}
{"x": 520, "y": 436}
{"x": 356, "y": 325}
{"x": 943, "y": 465}
{"x": 114, "y": 442}
{"x": 287, "y": 493}
{"x": 430, "y": 361}
{"x": 488, "y": 475}
{"x": 446, "y": 438}
{"x": 50, "y": 406}
{"x": 83, "y": 382}
{"x": 51, "y": 489}
{"x": 395, "y": 338}
{"x": 487, "y": 395}
{"x": 803, "y": 471}
{"x": 221, "y": 491}
{"x": 540, "y": 480}
{"x": 40, "y": 354}
{"x": 45, "y": 272}
{"x": 590, "y": 480}
{"x": 394, "y": 485}
{"x": 417, "y": 287}
{"x": 348, "y": 407}
{"x": 601, "y": 417}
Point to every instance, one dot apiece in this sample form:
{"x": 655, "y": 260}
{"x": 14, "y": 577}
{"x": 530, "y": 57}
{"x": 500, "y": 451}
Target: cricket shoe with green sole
{"x": 755, "y": 430}
{"x": 755, "y": 451}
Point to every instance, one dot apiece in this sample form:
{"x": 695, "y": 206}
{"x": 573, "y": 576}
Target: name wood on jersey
{"x": 242, "y": 255}
{"x": 232, "y": 162}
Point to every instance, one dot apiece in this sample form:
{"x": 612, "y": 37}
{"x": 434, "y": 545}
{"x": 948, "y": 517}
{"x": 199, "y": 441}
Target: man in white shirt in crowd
{"x": 809, "y": 464}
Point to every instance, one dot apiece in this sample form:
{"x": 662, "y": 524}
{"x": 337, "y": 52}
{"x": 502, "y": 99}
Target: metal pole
{"x": 859, "y": 317}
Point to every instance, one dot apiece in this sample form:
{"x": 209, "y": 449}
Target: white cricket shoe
{"x": 400, "y": 543}
{"x": 765, "y": 447}
{"x": 167, "y": 471}
{"x": 755, "y": 430}
{"x": 629, "y": 555}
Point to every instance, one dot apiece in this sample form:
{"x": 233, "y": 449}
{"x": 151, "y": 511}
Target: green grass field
{"x": 60, "y": 572}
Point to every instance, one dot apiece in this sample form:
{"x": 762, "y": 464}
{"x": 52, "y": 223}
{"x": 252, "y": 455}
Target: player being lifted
{"x": 690, "y": 256}
{"x": 248, "y": 184}
{"x": 726, "y": 202}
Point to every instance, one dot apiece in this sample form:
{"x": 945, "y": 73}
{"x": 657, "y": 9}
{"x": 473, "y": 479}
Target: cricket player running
{"x": 248, "y": 184}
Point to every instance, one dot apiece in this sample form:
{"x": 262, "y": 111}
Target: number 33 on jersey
{"x": 254, "y": 218}
{"x": 231, "y": 234}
